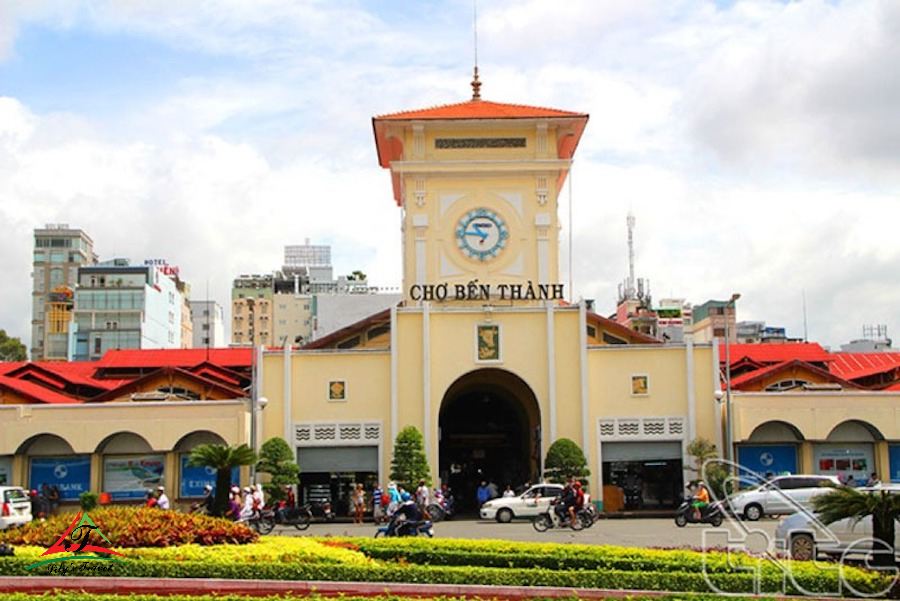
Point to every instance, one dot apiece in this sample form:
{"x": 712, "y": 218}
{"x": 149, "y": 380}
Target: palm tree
{"x": 847, "y": 502}
{"x": 224, "y": 459}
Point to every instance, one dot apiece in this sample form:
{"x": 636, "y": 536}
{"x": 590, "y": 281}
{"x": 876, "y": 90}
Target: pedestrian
{"x": 508, "y": 492}
{"x": 873, "y": 480}
{"x": 483, "y": 493}
{"x": 234, "y": 503}
{"x": 394, "y": 494}
{"x": 54, "y": 500}
{"x": 359, "y": 504}
{"x": 150, "y": 500}
{"x": 377, "y": 506}
{"x": 422, "y": 495}
{"x": 492, "y": 490}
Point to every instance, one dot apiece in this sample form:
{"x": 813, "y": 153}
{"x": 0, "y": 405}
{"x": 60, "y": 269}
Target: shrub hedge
{"x": 449, "y": 561}
{"x": 130, "y": 527}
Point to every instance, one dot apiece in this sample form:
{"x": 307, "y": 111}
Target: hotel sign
{"x": 473, "y": 291}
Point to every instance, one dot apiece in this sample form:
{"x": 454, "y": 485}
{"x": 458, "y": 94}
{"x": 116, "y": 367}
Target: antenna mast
{"x": 629, "y": 292}
{"x": 476, "y": 85}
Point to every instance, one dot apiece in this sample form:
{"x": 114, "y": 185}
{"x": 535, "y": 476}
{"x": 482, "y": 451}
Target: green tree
{"x": 357, "y": 276}
{"x": 846, "y": 502}
{"x": 277, "y": 460}
{"x": 565, "y": 460}
{"x": 11, "y": 349}
{"x": 223, "y": 458}
{"x": 409, "y": 464}
{"x": 713, "y": 473}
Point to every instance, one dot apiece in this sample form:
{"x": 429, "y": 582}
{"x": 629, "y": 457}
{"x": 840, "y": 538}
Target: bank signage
{"x": 71, "y": 475}
{"x": 194, "y": 478}
{"x": 475, "y": 291}
{"x": 768, "y": 459}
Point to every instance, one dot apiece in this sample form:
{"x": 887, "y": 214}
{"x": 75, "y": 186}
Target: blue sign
{"x": 71, "y": 475}
{"x": 894, "y": 462}
{"x": 193, "y": 479}
{"x": 768, "y": 459}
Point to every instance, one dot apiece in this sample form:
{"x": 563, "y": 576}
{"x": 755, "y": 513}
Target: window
{"x": 719, "y": 332}
{"x": 205, "y": 326}
{"x": 640, "y": 385}
{"x": 98, "y": 346}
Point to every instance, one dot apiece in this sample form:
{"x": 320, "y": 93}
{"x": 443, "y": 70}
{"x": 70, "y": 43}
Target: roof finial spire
{"x": 476, "y": 85}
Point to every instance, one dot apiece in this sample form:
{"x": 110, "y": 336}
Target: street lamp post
{"x": 729, "y": 441}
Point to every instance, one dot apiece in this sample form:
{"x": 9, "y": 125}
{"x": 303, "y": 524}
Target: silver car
{"x": 529, "y": 504}
{"x": 803, "y": 536}
{"x": 782, "y": 495}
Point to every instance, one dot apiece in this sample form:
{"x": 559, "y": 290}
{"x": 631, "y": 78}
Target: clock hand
{"x": 478, "y": 230}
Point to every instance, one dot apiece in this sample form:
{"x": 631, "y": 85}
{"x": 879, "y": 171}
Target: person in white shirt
{"x": 162, "y": 501}
{"x": 247, "y": 509}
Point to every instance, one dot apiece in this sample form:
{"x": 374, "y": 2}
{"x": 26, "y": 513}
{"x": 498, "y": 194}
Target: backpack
{"x": 385, "y": 499}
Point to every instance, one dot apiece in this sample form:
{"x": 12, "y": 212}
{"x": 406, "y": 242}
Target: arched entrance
{"x": 489, "y": 428}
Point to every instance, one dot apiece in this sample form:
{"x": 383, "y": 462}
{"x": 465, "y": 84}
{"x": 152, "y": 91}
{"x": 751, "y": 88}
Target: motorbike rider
{"x": 407, "y": 516}
{"x": 248, "y": 509}
{"x": 579, "y": 500}
{"x": 565, "y": 502}
{"x": 701, "y": 499}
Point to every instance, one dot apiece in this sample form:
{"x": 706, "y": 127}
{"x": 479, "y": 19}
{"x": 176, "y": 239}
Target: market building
{"x": 486, "y": 354}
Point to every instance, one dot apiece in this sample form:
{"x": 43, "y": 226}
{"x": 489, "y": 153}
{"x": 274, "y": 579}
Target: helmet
{"x": 577, "y": 484}
{"x": 33, "y": 493}
{"x": 235, "y": 489}
{"x": 246, "y": 489}
{"x": 404, "y": 496}
{"x": 207, "y": 488}
{"x": 160, "y": 487}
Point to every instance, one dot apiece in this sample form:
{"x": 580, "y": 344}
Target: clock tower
{"x": 478, "y": 184}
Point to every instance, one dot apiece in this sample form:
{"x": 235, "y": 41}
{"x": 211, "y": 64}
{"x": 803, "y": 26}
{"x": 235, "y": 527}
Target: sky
{"x": 756, "y": 142}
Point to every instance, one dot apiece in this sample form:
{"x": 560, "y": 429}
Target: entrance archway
{"x": 489, "y": 426}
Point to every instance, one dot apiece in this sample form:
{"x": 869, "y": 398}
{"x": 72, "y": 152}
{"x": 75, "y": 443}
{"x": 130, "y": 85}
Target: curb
{"x": 261, "y": 588}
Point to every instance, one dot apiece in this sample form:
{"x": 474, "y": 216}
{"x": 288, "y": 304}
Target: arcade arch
{"x": 772, "y": 448}
{"x": 489, "y": 428}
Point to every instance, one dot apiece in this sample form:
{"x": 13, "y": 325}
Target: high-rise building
{"x": 208, "y": 323}
{"x": 58, "y": 253}
{"x": 301, "y": 302}
{"x": 123, "y": 306}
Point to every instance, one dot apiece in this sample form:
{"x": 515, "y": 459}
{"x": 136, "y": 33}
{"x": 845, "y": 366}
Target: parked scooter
{"x": 711, "y": 514}
{"x": 551, "y": 519}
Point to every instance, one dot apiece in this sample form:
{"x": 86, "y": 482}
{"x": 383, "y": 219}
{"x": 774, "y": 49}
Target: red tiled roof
{"x": 766, "y": 353}
{"x": 36, "y": 392}
{"x": 226, "y": 357}
{"x": 138, "y": 384}
{"x": 754, "y": 376}
{"x": 481, "y": 109}
{"x": 8, "y": 366}
{"x": 858, "y": 365}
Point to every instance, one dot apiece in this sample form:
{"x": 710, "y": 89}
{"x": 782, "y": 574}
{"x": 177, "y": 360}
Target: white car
{"x": 803, "y": 536}
{"x": 15, "y": 507}
{"x": 782, "y": 495}
{"x": 529, "y": 504}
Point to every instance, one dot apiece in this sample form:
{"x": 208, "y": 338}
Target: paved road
{"x": 648, "y": 533}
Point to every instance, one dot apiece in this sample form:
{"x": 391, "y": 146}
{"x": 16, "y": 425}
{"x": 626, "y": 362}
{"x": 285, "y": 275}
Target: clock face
{"x": 481, "y": 234}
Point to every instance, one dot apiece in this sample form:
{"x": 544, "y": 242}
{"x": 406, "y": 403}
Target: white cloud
{"x": 756, "y": 145}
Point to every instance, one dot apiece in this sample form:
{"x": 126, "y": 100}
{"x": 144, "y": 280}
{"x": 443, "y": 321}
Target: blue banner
{"x": 768, "y": 459}
{"x": 193, "y": 479}
{"x": 894, "y": 462}
{"x": 71, "y": 475}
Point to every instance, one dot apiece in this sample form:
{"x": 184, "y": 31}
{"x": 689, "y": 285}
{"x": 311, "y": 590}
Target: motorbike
{"x": 587, "y": 514}
{"x": 551, "y": 519}
{"x": 711, "y": 514}
{"x": 402, "y": 527}
{"x": 322, "y": 509}
{"x": 441, "y": 509}
{"x": 261, "y": 521}
{"x": 298, "y": 517}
